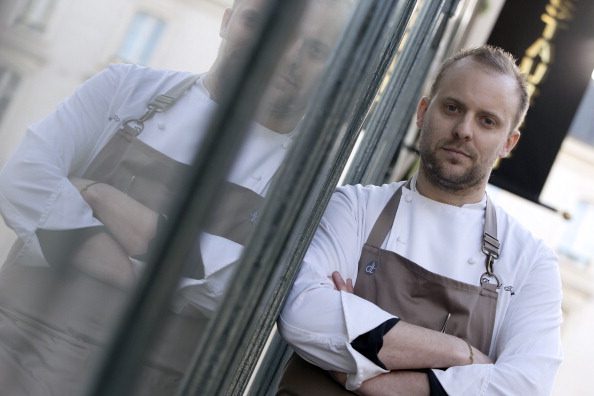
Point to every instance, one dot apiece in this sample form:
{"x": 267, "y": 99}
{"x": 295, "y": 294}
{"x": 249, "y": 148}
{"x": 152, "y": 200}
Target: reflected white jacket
{"x": 35, "y": 192}
{"x": 320, "y": 323}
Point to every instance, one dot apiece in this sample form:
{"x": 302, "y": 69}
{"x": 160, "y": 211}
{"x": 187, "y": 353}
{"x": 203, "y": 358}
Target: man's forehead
{"x": 325, "y": 17}
{"x": 466, "y": 68}
{"x": 473, "y": 83}
{"x": 322, "y": 20}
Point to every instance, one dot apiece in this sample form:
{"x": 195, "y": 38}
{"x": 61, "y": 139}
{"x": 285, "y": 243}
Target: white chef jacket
{"x": 320, "y": 323}
{"x": 35, "y": 192}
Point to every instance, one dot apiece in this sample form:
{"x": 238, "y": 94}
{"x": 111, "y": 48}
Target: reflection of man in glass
{"x": 91, "y": 184}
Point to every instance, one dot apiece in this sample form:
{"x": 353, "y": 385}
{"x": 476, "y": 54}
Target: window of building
{"x": 35, "y": 14}
{"x": 9, "y": 81}
{"x": 141, "y": 39}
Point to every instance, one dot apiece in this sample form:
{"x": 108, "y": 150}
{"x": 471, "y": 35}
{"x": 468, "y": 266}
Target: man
{"x": 451, "y": 294}
{"x": 90, "y": 186}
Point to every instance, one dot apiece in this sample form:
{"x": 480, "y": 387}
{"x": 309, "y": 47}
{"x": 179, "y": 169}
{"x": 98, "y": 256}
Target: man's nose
{"x": 463, "y": 128}
{"x": 294, "y": 54}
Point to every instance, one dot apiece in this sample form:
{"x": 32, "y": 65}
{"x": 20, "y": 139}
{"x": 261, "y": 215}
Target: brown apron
{"x": 71, "y": 327}
{"x": 415, "y": 295}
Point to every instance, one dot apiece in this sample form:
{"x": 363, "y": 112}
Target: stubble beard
{"x": 446, "y": 179}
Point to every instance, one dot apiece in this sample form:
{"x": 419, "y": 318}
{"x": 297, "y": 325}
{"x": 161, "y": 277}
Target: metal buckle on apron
{"x": 491, "y": 249}
{"x": 490, "y": 243}
{"x": 489, "y": 269}
{"x": 160, "y": 104}
{"x": 138, "y": 125}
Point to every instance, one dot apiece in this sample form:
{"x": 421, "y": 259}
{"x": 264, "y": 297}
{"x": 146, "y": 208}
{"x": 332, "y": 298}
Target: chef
{"x": 451, "y": 295}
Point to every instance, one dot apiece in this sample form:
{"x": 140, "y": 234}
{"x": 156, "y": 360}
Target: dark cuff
{"x": 434, "y": 385}
{"x": 58, "y": 246}
{"x": 370, "y": 343}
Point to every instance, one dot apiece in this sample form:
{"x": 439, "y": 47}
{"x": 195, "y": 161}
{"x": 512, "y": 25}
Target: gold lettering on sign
{"x": 538, "y": 56}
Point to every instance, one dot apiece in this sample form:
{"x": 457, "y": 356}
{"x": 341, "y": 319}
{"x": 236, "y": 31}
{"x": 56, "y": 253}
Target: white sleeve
{"x": 35, "y": 192}
{"x": 527, "y": 351}
{"x": 319, "y": 322}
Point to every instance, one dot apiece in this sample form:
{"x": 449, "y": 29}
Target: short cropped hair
{"x": 496, "y": 59}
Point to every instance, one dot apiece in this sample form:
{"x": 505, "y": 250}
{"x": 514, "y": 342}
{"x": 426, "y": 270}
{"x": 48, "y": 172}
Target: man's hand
{"x": 340, "y": 284}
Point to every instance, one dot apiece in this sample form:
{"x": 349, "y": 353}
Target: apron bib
{"x": 417, "y": 296}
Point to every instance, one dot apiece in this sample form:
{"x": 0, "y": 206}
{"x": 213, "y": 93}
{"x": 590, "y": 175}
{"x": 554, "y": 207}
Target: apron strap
{"x": 384, "y": 222}
{"x": 490, "y": 241}
{"x": 162, "y": 103}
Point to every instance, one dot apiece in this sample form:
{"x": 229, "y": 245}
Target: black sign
{"x": 554, "y": 43}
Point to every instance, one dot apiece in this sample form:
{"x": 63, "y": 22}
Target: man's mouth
{"x": 288, "y": 80}
{"x": 457, "y": 152}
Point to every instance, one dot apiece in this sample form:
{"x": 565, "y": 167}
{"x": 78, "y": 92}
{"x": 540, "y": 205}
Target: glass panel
{"x": 99, "y": 190}
{"x": 240, "y": 202}
{"x": 66, "y": 287}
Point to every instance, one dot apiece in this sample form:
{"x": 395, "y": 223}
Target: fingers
{"x": 481, "y": 358}
{"x": 340, "y": 284}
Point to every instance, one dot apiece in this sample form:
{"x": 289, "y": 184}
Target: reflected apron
{"x": 59, "y": 322}
{"x": 415, "y": 295}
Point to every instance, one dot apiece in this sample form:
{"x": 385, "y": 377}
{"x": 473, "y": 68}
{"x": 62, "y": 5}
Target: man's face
{"x": 302, "y": 61}
{"x": 466, "y": 126}
{"x": 305, "y": 58}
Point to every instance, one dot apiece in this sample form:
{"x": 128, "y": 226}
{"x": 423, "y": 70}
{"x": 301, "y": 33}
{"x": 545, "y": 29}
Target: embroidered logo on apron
{"x": 371, "y": 268}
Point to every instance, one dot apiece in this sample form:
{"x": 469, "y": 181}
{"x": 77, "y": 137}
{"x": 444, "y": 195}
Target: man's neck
{"x": 427, "y": 188}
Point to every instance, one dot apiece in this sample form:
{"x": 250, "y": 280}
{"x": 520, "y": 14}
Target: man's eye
{"x": 451, "y": 108}
{"x": 317, "y": 51}
{"x": 488, "y": 121}
{"x": 251, "y": 20}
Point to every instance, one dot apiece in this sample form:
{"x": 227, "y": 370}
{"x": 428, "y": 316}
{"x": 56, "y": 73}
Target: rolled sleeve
{"x": 319, "y": 322}
{"x": 322, "y": 325}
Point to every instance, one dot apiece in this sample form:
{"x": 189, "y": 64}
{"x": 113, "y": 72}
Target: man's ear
{"x": 422, "y": 110}
{"x": 225, "y": 23}
{"x": 510, "y": 143}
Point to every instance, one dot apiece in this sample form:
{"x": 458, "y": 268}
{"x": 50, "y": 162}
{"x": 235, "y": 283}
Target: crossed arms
{"x": 407, "y": 347}
{"x": 321, "y": 322}
{"x": 131, "y": 227}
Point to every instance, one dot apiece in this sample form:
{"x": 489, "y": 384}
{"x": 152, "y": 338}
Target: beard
{"x": 441, "y": 172}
